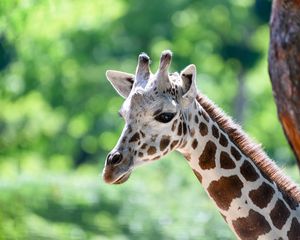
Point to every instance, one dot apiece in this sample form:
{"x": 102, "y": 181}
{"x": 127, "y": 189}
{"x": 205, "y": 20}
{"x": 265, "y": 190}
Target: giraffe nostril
{"x": 115, "y": 158}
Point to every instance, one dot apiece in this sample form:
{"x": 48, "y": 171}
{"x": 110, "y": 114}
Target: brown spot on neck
{"x": 203, "y": 129}
{"x": 226, "y": 161}
{"x": 207, "y": 158}
{"x": 235, "y": 153}
{"x": 280, "y": 214}
{"x": 252, "y": 226}
{"x": 248, "y": 171}
{"x": 262, "y": 195}
{"x": 224, "y": 190}
{"x": 294, "y": 231}
{"x": 215, "y": 131}
{"x": 223, "y": 140}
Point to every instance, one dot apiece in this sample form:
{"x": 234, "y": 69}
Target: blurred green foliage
{"x": 58, "y": 114}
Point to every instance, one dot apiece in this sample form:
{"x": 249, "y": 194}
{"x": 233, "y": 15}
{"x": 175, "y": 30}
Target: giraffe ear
{"x": 121, "y": 81}
{"x": 189, "y": 88}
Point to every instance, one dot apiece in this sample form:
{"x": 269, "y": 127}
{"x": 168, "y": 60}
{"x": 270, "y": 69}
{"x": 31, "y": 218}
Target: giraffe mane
{"x": 249, "y": 148}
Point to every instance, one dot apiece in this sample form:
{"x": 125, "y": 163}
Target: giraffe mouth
{"x": 123, "y": 178}
{"x": 112, "y": 178}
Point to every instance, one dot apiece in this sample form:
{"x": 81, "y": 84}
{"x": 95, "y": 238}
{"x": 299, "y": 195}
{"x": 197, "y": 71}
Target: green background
{"x": 58, "y": 113}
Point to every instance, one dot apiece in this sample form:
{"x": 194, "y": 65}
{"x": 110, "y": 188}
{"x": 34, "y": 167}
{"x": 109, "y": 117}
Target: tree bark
{"x": 284, "y": 67}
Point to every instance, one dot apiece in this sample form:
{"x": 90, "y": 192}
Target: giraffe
{"x": 165, "y": 112}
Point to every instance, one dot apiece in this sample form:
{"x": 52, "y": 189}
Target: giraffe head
{"x": 154, "y": 112}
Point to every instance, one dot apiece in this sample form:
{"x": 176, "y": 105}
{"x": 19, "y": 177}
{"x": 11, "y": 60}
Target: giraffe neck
{"x": 254, "y": 205}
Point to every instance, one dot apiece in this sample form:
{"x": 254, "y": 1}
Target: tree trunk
{"x": 284, "y": 67}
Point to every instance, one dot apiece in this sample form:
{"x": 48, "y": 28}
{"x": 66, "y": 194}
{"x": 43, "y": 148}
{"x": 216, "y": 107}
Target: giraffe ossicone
{"x": 164, "y": 112}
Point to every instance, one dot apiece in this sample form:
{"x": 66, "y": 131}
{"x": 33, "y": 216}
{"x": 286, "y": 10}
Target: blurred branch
{"x": 284, "y": 67}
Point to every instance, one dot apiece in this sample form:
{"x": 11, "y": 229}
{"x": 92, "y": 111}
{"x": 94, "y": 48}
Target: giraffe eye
{"x": 164, "y": 117}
